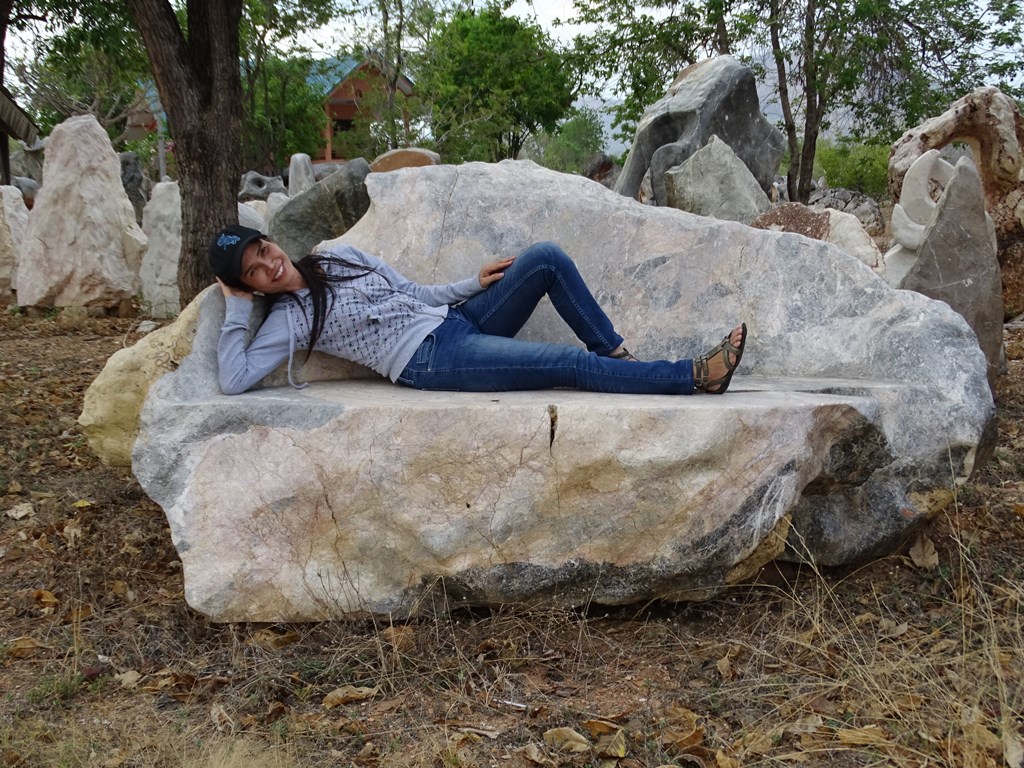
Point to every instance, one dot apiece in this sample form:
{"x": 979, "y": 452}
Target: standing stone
{"x": 161, "y": 221}
{"x": 83, "y": 246}
{"x": 714, "y": 182}
{"x": 275, "y": 202}
{"x": 250, "y": 217}
{"x": 325, "y": 211}
{"x": 136, "y": 184}
{"x": 29, "y": 189}
{"x": 957, "y": 262}
{"x": 256, "y": 186}
{"x": 300, "y": 174}
{"x": 715, "y": 96}
{"x": 28, "y": 161}
{"x": 15, "y": 217}
{"x": 8, "y": 260}
{"x": 602, "y": 169}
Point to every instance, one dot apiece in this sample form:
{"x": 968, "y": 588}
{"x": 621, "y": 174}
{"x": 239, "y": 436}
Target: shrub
{"x": 860, "y": 167}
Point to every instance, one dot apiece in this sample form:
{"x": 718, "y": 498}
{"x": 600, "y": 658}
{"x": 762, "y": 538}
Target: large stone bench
{"x": 859, "y": 408}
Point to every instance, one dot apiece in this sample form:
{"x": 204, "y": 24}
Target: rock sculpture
{"x": 842, "y": 230}
{"x": 256, "y": 186}
{"x": 27, "y": 161}
{"x": 161, "y": 221}
{"x": 716, "y": 96}
{"x": 83, "y": 246}
{"x": 990, "y": 123}
{"x": 29, "y": 189}
{"x": 300, "y": 174}
{"x": 714, "y": 182}
{"x": 324, "y": 211}
{"x": 956, "y": 261}
{"x": 858, "y": 406}
{"x": 408, "y": 157}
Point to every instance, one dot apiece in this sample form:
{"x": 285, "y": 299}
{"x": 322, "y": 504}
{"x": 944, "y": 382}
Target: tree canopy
{"x": 492, "y": 81}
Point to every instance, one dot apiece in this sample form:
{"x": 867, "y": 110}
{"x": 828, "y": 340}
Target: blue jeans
{"x": 473, "y": 350}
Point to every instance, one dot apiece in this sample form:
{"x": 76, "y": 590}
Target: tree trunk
{"x": 200, "y": 90}
{"x": 812, "y": 120}
{"x": 774, "y": 24}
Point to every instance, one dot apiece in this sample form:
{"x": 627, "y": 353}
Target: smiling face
{"x": 267, "y": 269}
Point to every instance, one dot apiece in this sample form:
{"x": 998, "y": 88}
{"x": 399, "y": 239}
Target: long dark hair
{"x": 319, "y": 281}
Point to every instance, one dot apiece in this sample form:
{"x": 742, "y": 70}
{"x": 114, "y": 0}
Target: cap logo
{"x": 227, "y": 240}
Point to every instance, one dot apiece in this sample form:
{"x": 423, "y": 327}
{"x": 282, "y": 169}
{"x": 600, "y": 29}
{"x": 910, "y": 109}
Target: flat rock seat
{"x": 361, "y": 496}
{"x": 859, "y": 407}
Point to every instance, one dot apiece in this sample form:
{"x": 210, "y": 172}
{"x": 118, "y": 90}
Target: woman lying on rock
{"x": 446, "y": 337}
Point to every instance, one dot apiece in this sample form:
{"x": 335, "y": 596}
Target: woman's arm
{"x": 239, "y": 367}
{"x": 432, "y": 295}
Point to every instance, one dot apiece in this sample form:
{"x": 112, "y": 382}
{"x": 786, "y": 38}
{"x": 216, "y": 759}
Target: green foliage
{"x": 861, "y": 167}
{"x": 568, "y": 147}
{"x": 93, "y": 64}
{"x": 493, "y": 80}
{"x": 285, "y": 115}
{"x": 283, "y": 112}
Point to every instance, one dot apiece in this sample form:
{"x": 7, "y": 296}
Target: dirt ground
{"x": 916, "y": 659}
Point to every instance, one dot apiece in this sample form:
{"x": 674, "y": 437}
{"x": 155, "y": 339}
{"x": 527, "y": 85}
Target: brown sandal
{"x": 702, "y": 371}
{"x": 624, "y": 354}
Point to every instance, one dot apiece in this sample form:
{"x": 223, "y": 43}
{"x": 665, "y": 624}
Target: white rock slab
{"x": 858, "y": 407}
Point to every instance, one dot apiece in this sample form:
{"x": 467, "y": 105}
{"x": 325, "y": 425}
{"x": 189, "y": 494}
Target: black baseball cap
{"x": 226, "y": 253}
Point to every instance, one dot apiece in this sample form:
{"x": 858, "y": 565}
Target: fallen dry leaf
{"x": 221, "y": 719}
{"x": 24, "y": 648}
{"x": 890, "y": 630}
{"x": 129, "y": 679}
{"x": 722, "y": 760}
{"x": 566, "y": 740}
{"x": 598, "y": 727}
{"x": 863, "y": 737}
{"x": 45, "y": 598}
{"x": 271, "y": 640}
{"x": 72, "y": 533}
{"x": 347, "y": 694}
{"x": 402, "y": 639}
{"x": 923, "y": 553}
{"x": 535, "y": 755}
{"x": 612, "y": 744}
{"x": 21, "y": 511}
{"x": 1013, "y": 750}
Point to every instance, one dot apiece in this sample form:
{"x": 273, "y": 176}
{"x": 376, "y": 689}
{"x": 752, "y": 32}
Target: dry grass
{"x": 102, "y": 664}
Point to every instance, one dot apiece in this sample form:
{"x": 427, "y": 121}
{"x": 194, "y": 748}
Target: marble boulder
{"x": 83, "y": 246}
{"x": 712, "y": 97}
{"x": 859, "y": 407}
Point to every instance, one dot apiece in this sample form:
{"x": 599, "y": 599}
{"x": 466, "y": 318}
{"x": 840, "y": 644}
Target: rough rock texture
{"x": 256, "y": 186}
{"x": 858, "y": 406}
{"x": 915, "y": 211}
{"x": 408, "y": 157}
{"x": 716, "y": 96}
{"x": 956, "y": 262}
{"x": 842, "y": 230}
{"x": 28, "y": 161}
{"x": 602, "y": 169}
{"x": 300, "y": 174}
{"x": 990, "y": 123}
{"x": 250, "y": 217}
{"x": 136, "y": 184}
{"x": 326, "y": 210}
{"x": 161, "y": 221}
{"x": 8, "y": 262}
{"x": 29, "y": 189}
{"x": 865, "y": 208}
{"x": 111, "y": 407}
{"x": 83, "y": 246}
{"x": 714, "y": 182}
{"x": 12, "y": 235}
